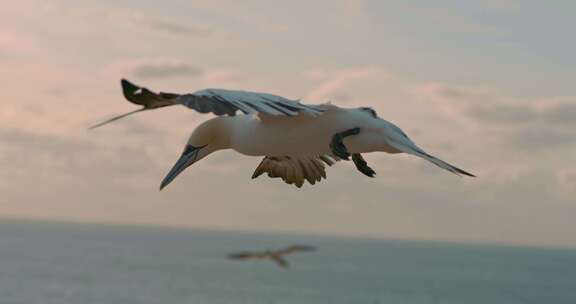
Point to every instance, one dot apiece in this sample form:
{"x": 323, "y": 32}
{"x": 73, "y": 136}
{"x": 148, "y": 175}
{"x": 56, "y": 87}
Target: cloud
{"x": 142, "y": 20}
{"x": 26, "y": 153}
{"x": 173, "y": 28}
{"x": 483, "y": 106}
{"x": 333, "y": 83}
{"x": 354, "y": 7}
{"x": 537, "y": 138}
{"x": 223, "y": 76}
{"x": 566, "y": 179}
{"x": 456, "y": 100}
{"x": 28, "y": 8}
{"x": 165, "y": 69}
{"x": 355, "y": 13}
{"x": 563, "y": 113}
{"x": 261, "y": 23}
{"x": 14, "y": 42}
{"x": 177, "y": 71}
{"x": 30, "y": 156}
{"x": 48, "y": 142}
{"x": 502, "y": 113}
{"x": 155, "y": 68}
{"x": 527, "y": 128}
{"x": 252, "y": 15}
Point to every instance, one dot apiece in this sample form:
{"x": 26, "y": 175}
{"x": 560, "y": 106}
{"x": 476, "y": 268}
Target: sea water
{"x": 56, "y": 263}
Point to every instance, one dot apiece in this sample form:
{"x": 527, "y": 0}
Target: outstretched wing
{"x": 294, "y": 170}
{"x": 246, "y": 255}
{"x": 296, "y": 248}
{"x": 217, "y": 101}
{"x": 281, "y": 262}
{"x": 220, "y": 102}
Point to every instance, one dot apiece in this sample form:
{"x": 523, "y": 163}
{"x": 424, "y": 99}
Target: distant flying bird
{"x": 277, "y": 256}
{"x": 297, "y": 140}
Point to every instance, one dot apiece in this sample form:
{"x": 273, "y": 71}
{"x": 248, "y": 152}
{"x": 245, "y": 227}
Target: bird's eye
{"x": 371, "y": 111}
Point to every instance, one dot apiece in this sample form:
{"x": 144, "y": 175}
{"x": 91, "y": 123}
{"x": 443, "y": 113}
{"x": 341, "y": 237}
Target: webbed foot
{"x": 337, "y": 146}
{"x": 362, "y": 165}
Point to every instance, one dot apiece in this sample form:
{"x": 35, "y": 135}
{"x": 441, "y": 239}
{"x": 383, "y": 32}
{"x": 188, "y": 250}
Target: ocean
{"x": 60, "y": 263}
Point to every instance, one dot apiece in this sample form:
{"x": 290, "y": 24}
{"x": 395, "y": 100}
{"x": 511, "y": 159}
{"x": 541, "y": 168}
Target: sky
{"x": 485, "y": 85}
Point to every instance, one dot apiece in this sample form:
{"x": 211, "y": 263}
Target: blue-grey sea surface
{"x": 58, "y": 263}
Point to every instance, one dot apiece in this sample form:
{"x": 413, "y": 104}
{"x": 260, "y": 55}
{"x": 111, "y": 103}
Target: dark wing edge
{"x": 141, "y": 96}
{"x": 146, "y": 98}
{"x": 281, "y": 262}
{"x": 296, "y": 248}
{"x": 243, "y": 255}
{"x": 217, "y": 101}
{"x": 221, "y": 102}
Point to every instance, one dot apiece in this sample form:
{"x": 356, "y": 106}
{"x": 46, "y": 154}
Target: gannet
{"x": 277, "y": 256}
{"x": 296, "y": 140}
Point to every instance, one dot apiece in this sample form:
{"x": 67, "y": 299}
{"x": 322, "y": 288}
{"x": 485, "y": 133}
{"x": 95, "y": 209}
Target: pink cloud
{"x": 174, "y": 69}
{"x": 487, "y": 107}
{"x": 355, "y": 8}
{"x": 566, "y": 179}
{"x": 14, "y": 42}
{"x": 156, "y": 68}
{"x": 334, "y": 82}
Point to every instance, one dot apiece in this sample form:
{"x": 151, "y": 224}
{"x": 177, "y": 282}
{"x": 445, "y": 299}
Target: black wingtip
{"x": 127, "y": 85}
{"x": 453, "y": 168}
{"x": 129, "y": 89}
{"x": 307, "y": 247}
{"x": 464, "y": 172}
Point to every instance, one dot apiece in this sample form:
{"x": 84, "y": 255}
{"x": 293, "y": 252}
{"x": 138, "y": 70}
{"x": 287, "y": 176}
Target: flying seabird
{"x": 297, "y": 140}
{"x": 277, "y": 256}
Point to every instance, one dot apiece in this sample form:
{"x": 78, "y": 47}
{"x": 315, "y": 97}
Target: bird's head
{"x": 371, "y": 112}
{"x": 209, "y": 137}
{"x": 372, "y": 119}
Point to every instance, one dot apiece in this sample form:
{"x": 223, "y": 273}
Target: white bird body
{"x": 301, "y": 135}
{"x": 296, "y": 139}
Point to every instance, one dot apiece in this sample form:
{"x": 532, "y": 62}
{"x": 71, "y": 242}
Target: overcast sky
{"x": 486, "y": 85}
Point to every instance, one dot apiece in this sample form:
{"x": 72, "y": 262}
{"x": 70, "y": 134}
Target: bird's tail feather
{"x": 442, "y": 164}
{"x": 405, "y": 145}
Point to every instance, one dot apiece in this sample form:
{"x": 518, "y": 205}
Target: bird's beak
{"x": 189, "y": 156}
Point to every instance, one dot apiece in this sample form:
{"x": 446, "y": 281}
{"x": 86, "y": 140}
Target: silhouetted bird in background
{"x": 277, "y": 256}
